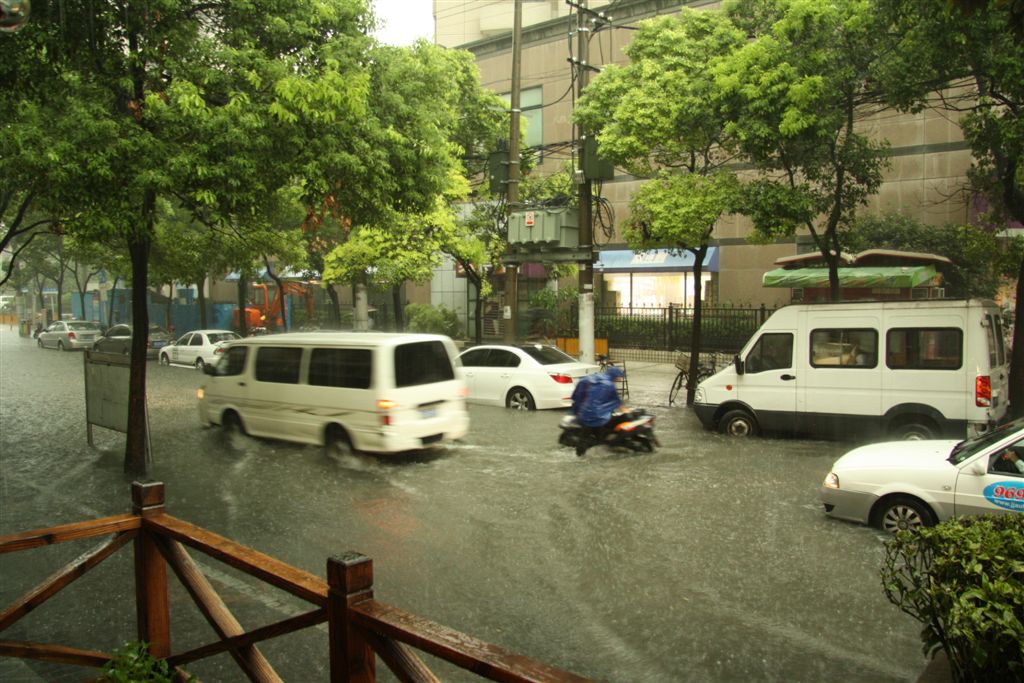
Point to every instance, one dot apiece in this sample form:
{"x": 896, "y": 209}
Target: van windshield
{"x": 965, "y": 449}
{"x": 422, "y": 363}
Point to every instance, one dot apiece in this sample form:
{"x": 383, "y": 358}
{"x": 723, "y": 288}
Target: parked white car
{"x": 908, "y": 484}
{"x": 523, "y": 376}
{"x": 69, "y": 334}
{"x": 197, "y": 348}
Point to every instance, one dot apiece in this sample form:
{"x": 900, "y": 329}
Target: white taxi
{"x": 908, "y": 484}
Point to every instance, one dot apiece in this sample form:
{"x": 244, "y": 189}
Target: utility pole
{"x": 584, "y": 199}
{"x": 511, "y": 312}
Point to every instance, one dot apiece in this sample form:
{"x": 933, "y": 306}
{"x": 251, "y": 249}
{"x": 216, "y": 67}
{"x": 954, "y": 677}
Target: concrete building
{"x": 928, "y": 168}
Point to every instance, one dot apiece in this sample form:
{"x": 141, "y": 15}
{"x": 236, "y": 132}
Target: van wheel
{"x": 738, "y": 423}
{"x": 337, "y": 444}
{"x": 232, "y": 424}
{"x": 519, "y": 399}
{"x": 914, "y": 430}
{"x": 903, "y": 513}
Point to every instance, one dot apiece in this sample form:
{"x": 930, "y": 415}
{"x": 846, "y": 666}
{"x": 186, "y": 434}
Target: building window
{"x": 531, "y": 105}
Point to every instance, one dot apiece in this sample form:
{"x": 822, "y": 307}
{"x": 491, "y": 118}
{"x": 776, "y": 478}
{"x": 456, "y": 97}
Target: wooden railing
{"x": 359, "y": 627}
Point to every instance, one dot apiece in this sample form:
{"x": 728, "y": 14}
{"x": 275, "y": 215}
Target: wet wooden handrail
{"x": 360, "y": 628}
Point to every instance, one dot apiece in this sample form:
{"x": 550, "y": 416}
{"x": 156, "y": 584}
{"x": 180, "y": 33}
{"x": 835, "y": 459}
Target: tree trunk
{"x": 396, "y": 299}
{"x": 110, "y": 303}
{"x": 168, "y": 317}
{"x": 137, "y": 439}
{"x": 334, "y": 315}
{"x": 201, "y": 297}
{"x": 478, "y": 311}
{"x": 1017, "y": 356}
{"x": 243, "y": 285}
{"x": 695, "y": 330}
{"x": 281, "y": 322}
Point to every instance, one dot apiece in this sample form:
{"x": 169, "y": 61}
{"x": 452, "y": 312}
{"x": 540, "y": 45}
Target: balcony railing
{"x": 360, "y": 628}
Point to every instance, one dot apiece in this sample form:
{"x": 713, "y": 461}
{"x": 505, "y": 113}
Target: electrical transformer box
{"x": 544, "y": 227}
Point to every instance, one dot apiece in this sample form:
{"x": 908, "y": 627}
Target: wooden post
{"x": 151, "y": 608}
{"x": 350, "y": 581}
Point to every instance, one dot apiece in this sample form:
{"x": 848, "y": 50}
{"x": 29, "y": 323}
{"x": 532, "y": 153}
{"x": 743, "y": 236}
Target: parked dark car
{"x": 118, "y": 339}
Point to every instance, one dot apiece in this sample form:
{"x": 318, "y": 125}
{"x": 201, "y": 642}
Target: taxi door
{"x": 990, "y": 484}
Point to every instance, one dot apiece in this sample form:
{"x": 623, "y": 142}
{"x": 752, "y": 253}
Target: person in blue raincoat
{"x": 595, "y": 402}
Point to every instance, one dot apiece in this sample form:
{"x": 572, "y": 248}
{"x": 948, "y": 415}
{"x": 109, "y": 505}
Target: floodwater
{"x": 710, "y": 560}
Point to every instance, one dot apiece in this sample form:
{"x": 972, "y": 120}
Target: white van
{"x": 361, "y": 391}
{"x": 902, "y": 369}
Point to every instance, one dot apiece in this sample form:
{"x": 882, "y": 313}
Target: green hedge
{"x": 433, "y": 319}
{"x": 964, "y": 581}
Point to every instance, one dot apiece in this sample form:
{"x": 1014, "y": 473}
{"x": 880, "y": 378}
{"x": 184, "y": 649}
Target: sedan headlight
{"x": 831, "y": 481}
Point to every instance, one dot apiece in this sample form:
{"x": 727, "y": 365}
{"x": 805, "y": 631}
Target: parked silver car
{"x": 118, "y": 339}
{"x": 65, "y": 335}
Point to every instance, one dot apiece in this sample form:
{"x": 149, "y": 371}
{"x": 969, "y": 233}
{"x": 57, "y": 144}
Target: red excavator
{"x": 266, "y": 312}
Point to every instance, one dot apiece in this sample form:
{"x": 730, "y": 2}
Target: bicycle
{"x": 706, "y": 367}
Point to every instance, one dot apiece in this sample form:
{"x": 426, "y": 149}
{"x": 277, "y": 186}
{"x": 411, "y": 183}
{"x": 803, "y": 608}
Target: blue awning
{"x": 653, "y": 261}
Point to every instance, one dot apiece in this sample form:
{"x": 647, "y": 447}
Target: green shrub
{"x": 434, "y": 319}
{"x": 964, "y": 581}
{"x": 132, "y": 663}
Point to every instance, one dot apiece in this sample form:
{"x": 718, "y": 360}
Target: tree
{"x": 431, "y": 118}
{"x": 215, "y": 105}
{"x": 659, "y": 116}
{"x": 974, "y": 60}
{"x": 793, "y": 95}
{"x": 978, "y": 260}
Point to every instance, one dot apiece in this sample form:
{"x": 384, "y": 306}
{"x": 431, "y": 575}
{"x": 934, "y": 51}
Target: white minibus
{"x": 349, "y": 391}
{"x": 900, "y": 369}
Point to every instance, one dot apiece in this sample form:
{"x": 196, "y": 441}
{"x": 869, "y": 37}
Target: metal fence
{"x": 723, "y": 328}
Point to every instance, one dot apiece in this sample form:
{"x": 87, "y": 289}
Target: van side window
{"x": 996, "y": 351}
{"x": 348, "y": 368}
{"x": 773, "y": 351}
{"x": 844, "y": 348}
{"x": 278, "y": 364}
{"x": 233, "y": 362}
{"x": 422, "y": 363}
{"x": 933, "y": 348}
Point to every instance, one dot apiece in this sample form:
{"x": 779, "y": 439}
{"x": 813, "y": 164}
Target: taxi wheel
{"x": 738, "y": 423}
{"x": 60, "y": 345}
{"x": 519, "y": 399}
{"x": 199, "y": 364}
{"x": 39, "y": 342}
{"x": 901, "y": 513}
{"x": 164, "y": 360}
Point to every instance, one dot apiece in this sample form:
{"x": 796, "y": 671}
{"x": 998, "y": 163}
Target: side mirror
{"x": 738, "y": 364}
{"x": 978, "y": 468}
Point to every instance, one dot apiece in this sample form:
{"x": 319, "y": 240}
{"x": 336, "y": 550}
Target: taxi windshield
{"x": 969, "y": 447}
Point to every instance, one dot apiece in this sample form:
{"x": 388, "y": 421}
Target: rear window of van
{"x": 423, "y": 362}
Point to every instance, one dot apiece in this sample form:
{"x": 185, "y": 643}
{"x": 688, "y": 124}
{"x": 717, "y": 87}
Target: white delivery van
{"x": 900, "y": 369}
{"x": 361, "y": 391}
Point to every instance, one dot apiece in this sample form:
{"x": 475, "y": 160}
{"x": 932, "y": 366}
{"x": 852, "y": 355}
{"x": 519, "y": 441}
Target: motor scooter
{"x": 635, "y": 432}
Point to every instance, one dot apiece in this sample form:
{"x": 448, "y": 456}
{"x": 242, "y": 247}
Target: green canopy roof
{"x": 861, "y": 278}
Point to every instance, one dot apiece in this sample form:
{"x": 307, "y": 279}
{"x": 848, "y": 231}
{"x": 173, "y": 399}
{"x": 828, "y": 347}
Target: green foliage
{"x": 132, "y": 663}
{"x": 964, "y": 581}
{"x": 978, "y": 259}
{"x": 435, "y": 319}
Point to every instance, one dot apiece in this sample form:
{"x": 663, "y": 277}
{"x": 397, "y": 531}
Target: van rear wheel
{"x": 914, "y": 430}
{"x": 337, "y": 444}
{"x": 738, "y": 423}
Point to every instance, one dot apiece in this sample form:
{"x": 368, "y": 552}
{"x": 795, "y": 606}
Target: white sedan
{"x": 197, "y": 348}
{"x": 523, "y": 376}
{"x": 908, "y": 484}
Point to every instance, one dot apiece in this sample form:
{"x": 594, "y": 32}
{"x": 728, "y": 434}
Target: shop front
{"x": 655, "y": 278}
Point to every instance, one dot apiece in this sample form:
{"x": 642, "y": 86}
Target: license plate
{"x": 158, "y": 344}
{"x": 428, "y": 412}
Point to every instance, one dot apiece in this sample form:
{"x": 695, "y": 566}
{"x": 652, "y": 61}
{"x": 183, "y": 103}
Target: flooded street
{"x": 710, "y": 560}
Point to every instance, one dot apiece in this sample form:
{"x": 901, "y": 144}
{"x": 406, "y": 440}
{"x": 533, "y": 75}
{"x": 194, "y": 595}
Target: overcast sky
{"x": 404, "y": 20}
